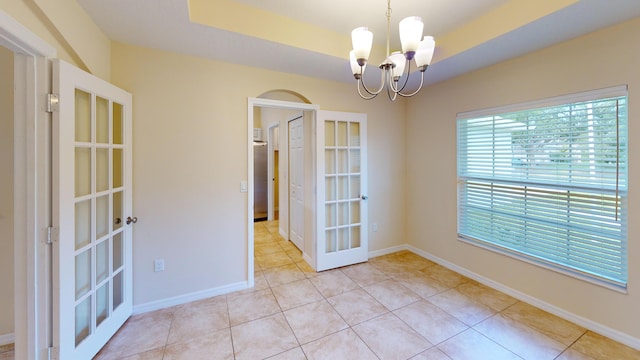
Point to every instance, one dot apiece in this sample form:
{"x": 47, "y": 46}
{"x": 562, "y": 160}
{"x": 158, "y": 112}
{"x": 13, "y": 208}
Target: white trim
{"x": 32, "y": 181}
{"x": 569, "y": 316}
{"x": 268, "y": 103}
{"x": 21, "y": 40}
{"x": 620, "y": 90}
{"x": 388, "y": 251}
{"x": 7, "y": 339}
{"x": 270, "y": 173}
{"x": 183, "y": 299}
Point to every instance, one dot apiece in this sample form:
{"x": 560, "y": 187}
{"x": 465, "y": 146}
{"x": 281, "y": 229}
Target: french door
{"x": 342, "y": 187}
{"x": 92, "y": 180}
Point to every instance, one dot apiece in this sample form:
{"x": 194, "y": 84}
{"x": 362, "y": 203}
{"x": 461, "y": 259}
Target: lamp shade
{"x": 361, "y": 39}
{"x": 410, "y": 34}
{"x": 356, "y": 69}
{"x": 424, "y": 54}
{"x": 399, "y": 60}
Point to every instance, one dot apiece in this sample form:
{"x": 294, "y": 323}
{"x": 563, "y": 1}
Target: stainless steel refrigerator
{"x": 260, "y": 181}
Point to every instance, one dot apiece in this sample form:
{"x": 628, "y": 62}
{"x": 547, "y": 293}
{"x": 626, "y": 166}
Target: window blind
{"x": 548, "y": 183}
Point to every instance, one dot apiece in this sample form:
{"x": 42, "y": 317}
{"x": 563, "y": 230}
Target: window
{"x": 546, "y": 182}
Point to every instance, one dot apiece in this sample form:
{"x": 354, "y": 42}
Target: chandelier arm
{"x": 415, "y": 92}
{"x": 390, "y": 88}
{"x": 406, "y": 79}
{"x": 364, "y": 96}
{"x": 365, "y": 86}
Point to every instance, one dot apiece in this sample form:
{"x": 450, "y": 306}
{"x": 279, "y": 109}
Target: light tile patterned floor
{"x": 398, "y": 306}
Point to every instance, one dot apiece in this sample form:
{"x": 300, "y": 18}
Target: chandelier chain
{"x": 388, "y": 25}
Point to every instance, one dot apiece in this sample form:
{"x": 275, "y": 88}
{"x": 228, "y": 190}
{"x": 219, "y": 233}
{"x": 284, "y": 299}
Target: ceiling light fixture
{"x": 394, "y": 65}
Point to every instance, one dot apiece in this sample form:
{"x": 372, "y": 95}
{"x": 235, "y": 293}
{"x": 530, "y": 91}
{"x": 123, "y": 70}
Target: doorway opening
{"x": 31, "y": 187}
{"x": 270, "y": 113}
{"x": 7, "y": 270}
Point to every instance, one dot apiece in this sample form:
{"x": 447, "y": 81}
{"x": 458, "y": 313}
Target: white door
{"x": 342, "y": 188}
{"x": 92, "y": 262}
{"x": 296, "y": 182}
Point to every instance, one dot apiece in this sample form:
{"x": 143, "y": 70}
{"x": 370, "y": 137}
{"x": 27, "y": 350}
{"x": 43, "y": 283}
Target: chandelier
{"x": 393, "y": 67}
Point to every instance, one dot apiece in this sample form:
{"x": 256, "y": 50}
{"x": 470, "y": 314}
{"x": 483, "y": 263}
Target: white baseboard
{"x": 569, "y": 316}
{"x": 194, "y": 296}
{"x": 283, "y": 233}
{"x": 387, "y": 251}
{"x": 7, "y": 339}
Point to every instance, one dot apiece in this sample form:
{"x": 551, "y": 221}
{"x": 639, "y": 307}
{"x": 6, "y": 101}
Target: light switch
{"x": 243, "y": 186}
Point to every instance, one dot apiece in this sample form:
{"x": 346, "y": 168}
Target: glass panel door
{"x": 342, "y": 206}
{"x": 92, "y": 259}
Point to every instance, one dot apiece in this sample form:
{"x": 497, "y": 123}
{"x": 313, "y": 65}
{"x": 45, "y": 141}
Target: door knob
{"x": 118, "y": 221}
{"x": 364, "y": 197}
{"x": 131, "y": 220}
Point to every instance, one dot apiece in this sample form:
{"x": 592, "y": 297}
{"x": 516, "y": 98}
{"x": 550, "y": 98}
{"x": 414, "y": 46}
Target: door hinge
{"x": 52, "y": 102}
{"x": 52, "y": 353}
{"x": 52, "y": 235}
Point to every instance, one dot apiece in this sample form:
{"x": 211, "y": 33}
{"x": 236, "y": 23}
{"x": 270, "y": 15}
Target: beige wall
{"x": 6, "y": 191}
{"x": 602, "y": 59}
{"x": 190, "y": 154}
{"x": 64, "y": 25}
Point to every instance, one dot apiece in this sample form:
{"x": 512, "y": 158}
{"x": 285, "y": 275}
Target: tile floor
{"x": 398, "y": 306}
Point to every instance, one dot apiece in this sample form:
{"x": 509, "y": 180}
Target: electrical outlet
{"x": 158, "y": 265}
{"x": 375, "y": 227}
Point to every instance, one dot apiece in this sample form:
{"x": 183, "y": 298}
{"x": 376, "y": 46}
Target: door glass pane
{"x": 343, "y": 238}
{"x": 117, "y": 124}
{"x": 118, "y": 290}
{"x": 330, "y": 162}
{"x": 83, "y": 320}
{"x": 342, "y": 133}
{"x": 343, "y": 187}
{"x": 355, "y": 237}
{"x": 354, "y": 161}
{"x": 329, "y": 133}
{"x": 330, "y": 215}
{"x": 102, "y": 120}
{"x": 102, "y": 304}
{"x": 83, "y": 116}
{"x": 102, "y": 169}
{"x": 330, "y": 241}
{"x": 117, "y": 168}
{"x": 342, "y": 162}
{"x": 83, "y": 223}
{"x": 343, "y": 213}
{"x": 102, "y": 261}
{"x": 83, "y": 273}
{"x": 355, "y": 212}
{"x": 83, "y": 171}
{"x": 102, "y": 216}
{"x": 117, "y": 210}
{"x": 330, "y": 188}
{"x": 355, "y": 186}
{"x": 354, "y": 134}
{"x": 118, "y": 249}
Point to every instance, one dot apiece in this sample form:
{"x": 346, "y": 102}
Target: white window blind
{"x": 547, "y": 182}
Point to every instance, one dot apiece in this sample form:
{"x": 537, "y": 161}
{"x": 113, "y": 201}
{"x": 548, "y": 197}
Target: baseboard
{"x": 283, "y": 233}
{"x": 7, "y": 339}
{"x": 569, "y": 316}
{"x": 387, "y": 251}
{"x": 194, "y": 296}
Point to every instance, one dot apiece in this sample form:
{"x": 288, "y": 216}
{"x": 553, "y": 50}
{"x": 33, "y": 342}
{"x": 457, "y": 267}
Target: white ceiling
{"x": 165, "y": 25}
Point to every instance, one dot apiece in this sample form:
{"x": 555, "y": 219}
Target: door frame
{"x": 32, "y": 188}
{"x": 251, "y": 104}
{"x": 270, "y": 170}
